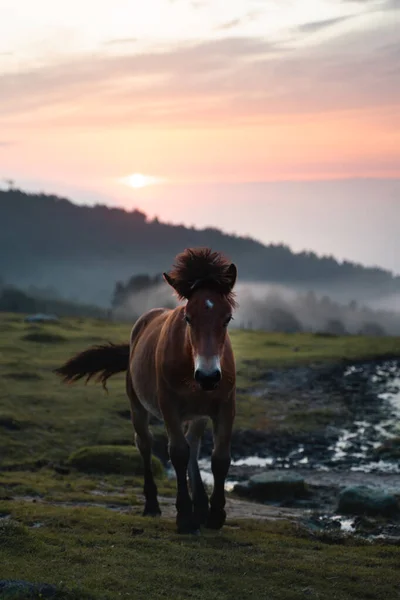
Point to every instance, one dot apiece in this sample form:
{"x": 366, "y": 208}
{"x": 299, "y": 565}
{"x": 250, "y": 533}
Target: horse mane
{"x": 201, "y": 268}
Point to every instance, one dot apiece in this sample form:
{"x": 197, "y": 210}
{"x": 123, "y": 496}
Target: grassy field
{"x": 95, "y": 553}
{"x": 55, "y": 528}
{"x": 57, "y": 419}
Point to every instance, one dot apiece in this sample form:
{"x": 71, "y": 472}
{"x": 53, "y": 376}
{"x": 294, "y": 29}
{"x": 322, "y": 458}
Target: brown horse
{"x": 180, "y": 367}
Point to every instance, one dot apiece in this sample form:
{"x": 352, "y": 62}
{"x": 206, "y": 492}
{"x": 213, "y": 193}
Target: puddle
{"x": 337, "y": 522}
{"x": 253, "y": 461}
{"x": 357, "y": 444}
{"x": 207, "y": 476}
{"x": 353, "y": 450}
{"x": 346, "y": 524}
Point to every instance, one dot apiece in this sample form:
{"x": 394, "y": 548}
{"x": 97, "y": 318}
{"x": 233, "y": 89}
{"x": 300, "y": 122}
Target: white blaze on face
{"x": 207, "y": 364}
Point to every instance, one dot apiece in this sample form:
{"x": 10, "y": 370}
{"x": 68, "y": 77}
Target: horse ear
{"x": 232, "y": 274}
{"x": 169, "y": 280}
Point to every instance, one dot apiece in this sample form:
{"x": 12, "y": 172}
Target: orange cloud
{"x": 236, "y": 109}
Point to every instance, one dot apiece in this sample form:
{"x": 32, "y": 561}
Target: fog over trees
{"x": 55, "y": 255}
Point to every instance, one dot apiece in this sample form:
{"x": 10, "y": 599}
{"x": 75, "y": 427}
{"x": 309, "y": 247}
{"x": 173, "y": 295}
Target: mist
{"x": 276, "y": 308}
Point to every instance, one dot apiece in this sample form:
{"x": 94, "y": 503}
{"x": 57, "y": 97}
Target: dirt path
{"x": 236, "y": 509}
{"x": 240, "y": 509}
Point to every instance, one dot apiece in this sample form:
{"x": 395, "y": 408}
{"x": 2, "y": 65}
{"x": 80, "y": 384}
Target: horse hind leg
{"x": 143, "y": 439}
{"x": 199, "y": 495}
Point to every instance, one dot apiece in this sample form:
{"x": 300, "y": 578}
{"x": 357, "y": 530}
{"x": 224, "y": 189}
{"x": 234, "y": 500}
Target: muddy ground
{"x": 366, "y": 397}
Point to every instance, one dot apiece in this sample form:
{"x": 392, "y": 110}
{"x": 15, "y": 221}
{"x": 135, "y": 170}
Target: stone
{"x": 363, "y": 500}
{"x": 16, "y": 589}
{"x": 275, "y": 485}
{"x": 389, "y": 450}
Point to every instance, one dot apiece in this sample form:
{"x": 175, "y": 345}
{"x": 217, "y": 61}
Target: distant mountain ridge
{"x": 82, "y": 251}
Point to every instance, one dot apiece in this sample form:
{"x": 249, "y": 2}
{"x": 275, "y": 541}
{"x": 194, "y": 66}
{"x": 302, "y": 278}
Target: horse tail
{"x": 103, "y": 361}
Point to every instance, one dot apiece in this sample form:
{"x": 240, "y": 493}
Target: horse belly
{"x": 144, "y": 385}
{"x": 143, "y": 343}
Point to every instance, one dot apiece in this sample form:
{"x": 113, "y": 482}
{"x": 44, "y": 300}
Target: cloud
{"x": 250, "y": 16}
{"x": 182, "y": 67}
{"x": 314, "y": 26}
{"x": 228, "y": 80}
{"x": 120, "y": 41}
{"x": 229, "y": 24}
{"x": 376, "y": 4}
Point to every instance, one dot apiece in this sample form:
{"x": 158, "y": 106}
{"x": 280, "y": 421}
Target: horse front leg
{"x": 179, "y": 452}
{"x": 220, "y": 463}
{"x": 200, "y": 499}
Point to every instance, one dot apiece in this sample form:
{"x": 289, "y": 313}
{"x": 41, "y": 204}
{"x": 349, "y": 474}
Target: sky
{"x": 278, "y": 119}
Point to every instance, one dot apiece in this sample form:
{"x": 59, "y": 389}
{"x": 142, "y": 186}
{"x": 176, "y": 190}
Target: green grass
{"x": 111, "y": 459}
{"x": 105, "y": 554}
{"x": 111, "y": 555}
{"x": 48, "y": 420}
{"x": 256, "y": 350}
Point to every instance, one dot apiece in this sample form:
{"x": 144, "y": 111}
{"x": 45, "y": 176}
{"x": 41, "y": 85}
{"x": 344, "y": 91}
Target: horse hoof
{"x": 216, "y": 520}
{"x": 188, "y": 525}
{"x": 188, "y": 531}
{"x": 152, "y": 512}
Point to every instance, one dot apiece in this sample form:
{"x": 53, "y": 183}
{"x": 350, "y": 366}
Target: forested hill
{"x": 83, "y": 251}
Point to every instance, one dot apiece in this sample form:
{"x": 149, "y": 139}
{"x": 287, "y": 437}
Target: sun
{"x": 138, "y": 180}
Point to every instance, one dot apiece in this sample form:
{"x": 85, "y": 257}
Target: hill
{"x": 82, "y": 251}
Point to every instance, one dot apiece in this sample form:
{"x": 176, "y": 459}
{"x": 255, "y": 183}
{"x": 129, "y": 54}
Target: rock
{"x": 362, "y": 500}
{"x": 124, "y": 460}
{"x": 9, "y": 422}
{"x": 23, "y": 590}
{"x": 14, "y": 589}
{"x": 389, "y": 450}
{"x": 273, "y": 486}
{"x": 41, "y": 318}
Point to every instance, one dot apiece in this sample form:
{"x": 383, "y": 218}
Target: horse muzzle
{"x": 208, "y": 380}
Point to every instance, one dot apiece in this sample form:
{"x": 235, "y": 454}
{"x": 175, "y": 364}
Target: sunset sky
{"x": 265, "y": 117}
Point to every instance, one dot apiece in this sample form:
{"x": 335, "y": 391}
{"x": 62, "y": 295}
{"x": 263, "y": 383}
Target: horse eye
{"x": 187, "y": 319}
{"x": 228, "y": 320}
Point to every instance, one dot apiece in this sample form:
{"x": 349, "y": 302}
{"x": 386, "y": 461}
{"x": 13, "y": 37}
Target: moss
{"x": 44, "y": 338}
{"x": 111, "y": 459}
{"x": 73, "y": 486}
